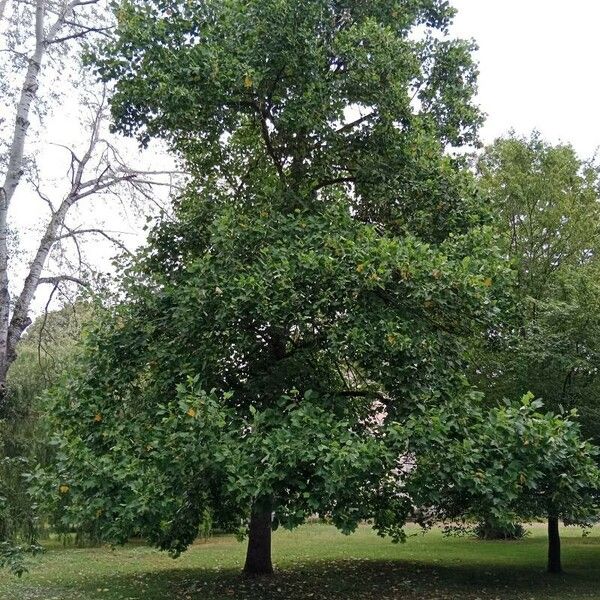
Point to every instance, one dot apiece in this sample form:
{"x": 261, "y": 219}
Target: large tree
{"x": 322, "y": 277}
{"x": 546, "y": 203}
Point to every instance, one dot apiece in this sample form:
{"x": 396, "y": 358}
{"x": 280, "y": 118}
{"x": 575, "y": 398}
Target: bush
{"x": 494, "y": 530}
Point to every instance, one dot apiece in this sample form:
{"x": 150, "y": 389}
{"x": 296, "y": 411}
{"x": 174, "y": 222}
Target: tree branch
{"x": 105, "y": 234}
{"x": 264, "y": 129}
{"x": 333, "y": 181}
{"x": 361, "y": 394}
{"x": 80, "y": 34}
{"x": 61, "y": 278}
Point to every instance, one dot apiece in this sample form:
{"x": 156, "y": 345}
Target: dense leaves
{"x": 546, "y": 202}
{"x": 506, "y": 463}
{"x": 44, "y": 352}
{"x": 281, "y": 340}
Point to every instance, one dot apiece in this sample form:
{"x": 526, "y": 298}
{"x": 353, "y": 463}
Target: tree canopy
{"x": 546, "y": 204}
{"x": 324, "y": 273}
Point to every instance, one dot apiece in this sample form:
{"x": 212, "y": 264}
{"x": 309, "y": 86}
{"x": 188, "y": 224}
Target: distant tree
{"x": 511, "y": 462}
{"x": 548, "y": 341}
{"x": 45, "y": 350}
{"x": 322, "y": 277}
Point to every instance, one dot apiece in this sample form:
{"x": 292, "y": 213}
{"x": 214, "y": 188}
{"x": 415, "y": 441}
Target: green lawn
{"x": 316, "y": 562}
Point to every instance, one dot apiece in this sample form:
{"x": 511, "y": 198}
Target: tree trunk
{"x": 258, "y": 555}
{"x": 554, "y": 564}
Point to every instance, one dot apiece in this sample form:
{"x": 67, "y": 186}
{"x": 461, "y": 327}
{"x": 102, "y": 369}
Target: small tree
{"x": 511, "y": 462}
{"x": 546, "y": 204}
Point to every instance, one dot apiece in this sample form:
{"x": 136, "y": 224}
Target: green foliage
{"x": 295, "y": 337}
{"x": 546, "y": 200}
{"x": 43, "y": 352}
{"x": 303, "y": 320}
{"x": 510, "y": 462}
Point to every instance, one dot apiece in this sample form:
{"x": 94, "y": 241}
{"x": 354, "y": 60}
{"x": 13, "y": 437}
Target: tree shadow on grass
{"x": 352, "y": 580}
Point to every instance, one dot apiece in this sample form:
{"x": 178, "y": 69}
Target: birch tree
{"x": 39, "y": 48}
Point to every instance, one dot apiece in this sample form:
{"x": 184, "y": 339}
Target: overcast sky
{"x": 539, "y": 63}
{"x": 539, "y": 66}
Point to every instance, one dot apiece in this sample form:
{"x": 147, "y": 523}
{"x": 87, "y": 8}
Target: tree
{"x": 322, "y": 277}
{"x": 546, "y": 201}
{"x": 45, "y": 350}
{"x": 42, "y": 43}
{"x": 511, "y": 462}
{"x": 45, "y": 258}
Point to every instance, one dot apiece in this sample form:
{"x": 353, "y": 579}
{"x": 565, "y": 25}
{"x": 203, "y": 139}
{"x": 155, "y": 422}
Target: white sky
{"x": 539, "y": 66}
{"x": 539, "y": 63}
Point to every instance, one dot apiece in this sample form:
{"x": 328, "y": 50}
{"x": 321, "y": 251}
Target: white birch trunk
{"x": 10, "y": 332}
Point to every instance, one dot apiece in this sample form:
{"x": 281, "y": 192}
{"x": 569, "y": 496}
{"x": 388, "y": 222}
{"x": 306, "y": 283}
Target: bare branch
{"x": 43, "y": 327}
{"x": 79, "y": 34}
{"x": 76, "y": 232}
{"x": 61, "y": 278}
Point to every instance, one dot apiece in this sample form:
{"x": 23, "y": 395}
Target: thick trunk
{"x": 554, "y": 564}
{"x": 258, "y": 556}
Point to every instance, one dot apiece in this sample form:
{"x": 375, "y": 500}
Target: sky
{"x": 539, "y": 67}
{"x": 538, "y": 62}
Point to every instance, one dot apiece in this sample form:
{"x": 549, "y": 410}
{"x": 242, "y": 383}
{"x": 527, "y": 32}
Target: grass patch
{"x": 316, "y": 562}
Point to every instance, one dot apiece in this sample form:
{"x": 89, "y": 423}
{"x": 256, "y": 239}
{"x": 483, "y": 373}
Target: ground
{"x": 315, "y": 562}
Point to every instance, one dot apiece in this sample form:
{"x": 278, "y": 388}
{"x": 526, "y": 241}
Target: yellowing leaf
{"x": 98, "y": 418}
{"x": 64, "y": 489}
{"x": 191, "y": 412}
{"x": 487, "y": 281}
{"x": 360, "y": 268}
{"x": 248, "y": 81}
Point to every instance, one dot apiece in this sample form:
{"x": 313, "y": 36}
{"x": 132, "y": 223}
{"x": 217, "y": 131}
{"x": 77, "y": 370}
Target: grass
{"x": 316, "y": 562}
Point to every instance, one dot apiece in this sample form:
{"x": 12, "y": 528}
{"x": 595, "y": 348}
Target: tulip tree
{"x": 510, "y": 462}
{"x": 320, "y": 280}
